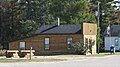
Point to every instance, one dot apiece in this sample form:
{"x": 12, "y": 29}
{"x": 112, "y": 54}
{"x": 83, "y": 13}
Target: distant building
{"x": 113, "y": 38}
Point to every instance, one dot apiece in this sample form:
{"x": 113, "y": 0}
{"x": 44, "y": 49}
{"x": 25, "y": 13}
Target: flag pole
{"x": 109, "y": 33}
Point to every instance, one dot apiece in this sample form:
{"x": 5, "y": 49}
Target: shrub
{"x": 80, "y": 48}
{"x": 2, "y": 52}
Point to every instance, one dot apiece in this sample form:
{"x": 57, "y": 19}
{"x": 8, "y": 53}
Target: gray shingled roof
{"x": 114, "y": 30}
{"x": 61, "y": 29}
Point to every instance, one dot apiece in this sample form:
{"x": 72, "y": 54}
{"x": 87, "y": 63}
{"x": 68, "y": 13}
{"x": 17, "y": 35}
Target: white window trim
{"x": 22, "y": 45}
{"x": 48, "y": 43}
{"x": 116, "y": 42}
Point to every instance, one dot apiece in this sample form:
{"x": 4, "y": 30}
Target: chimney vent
{"x": 58, "y": 21}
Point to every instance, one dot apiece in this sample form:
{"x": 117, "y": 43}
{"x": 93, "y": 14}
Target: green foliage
{"x": 92, "y": 18}
{"x": 36, "y": 10}
{"x": 106, "y": 8}
{"x": 99, "y": 40}
{"x": 14, "y": 25}
{"x": 21, "y": 19}
{"x": 80, "y": 48}
{"x": 105, "y": 19}
{"x": 28, "y": 28}
{"x": 70, "y": 11}
{"x": 9, "y": 16}
{"x": 2, "y": 52}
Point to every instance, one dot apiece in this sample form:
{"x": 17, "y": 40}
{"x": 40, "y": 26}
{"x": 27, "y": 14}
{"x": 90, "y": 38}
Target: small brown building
{"x": 51, "y": 39}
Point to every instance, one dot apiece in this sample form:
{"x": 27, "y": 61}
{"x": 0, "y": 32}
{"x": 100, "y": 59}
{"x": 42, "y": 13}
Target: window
{"x": 69, "y": 43}
{"x": 22, "y": 46}
{"x": 47, "y": 42}
{"x": 116, "y": 41}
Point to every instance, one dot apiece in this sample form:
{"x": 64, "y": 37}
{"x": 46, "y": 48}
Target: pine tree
{"x": 70, "y": 11}
{"x": 12, "y": 24}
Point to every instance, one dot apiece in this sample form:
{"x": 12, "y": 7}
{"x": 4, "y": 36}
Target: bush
{"x": 2, "y": 52}
{"x": 80, "y": 48}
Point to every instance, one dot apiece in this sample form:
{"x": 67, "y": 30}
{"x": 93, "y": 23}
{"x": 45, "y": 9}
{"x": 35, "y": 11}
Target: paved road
{"x": 111, "y": 61}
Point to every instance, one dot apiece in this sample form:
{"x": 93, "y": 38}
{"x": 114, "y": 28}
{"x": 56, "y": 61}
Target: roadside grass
{"x": 93, "y": 55}
{"x": 117, "y": 53}
{"x": 103, "y": 54}
{"x": 99, "y": 55}
{"x": 5, "y": 60}
{"x": 62, "y": 58}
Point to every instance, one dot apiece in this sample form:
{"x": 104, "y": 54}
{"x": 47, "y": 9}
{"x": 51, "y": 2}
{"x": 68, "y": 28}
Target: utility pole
{"x": 98, "y": 17}
{"x": 98, "y": 22}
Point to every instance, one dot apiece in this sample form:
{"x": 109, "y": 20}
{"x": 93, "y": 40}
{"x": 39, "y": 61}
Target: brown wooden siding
{"x": 57, "y": 43}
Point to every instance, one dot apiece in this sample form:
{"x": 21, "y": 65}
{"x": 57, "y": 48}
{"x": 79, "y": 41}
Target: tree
{"x": 28, "y": 28}
{"x": 70, "y": 11}
{"x": 35, "y": 10}
{"x": 99, "y": 40}
{"x": 20, "y": 18}
{"x": 12, "y": 24}
{"x": 47, "y": 11}
{"x": 106, "y": 12}
{"x": 115, "y": 18}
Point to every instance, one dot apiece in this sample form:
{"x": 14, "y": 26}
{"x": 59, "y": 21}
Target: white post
{"x": 30, "y": 53}
{"x": 114, "y": 50}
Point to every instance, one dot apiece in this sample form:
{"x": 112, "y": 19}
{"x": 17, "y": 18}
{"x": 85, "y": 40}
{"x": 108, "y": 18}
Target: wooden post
{"x": 30, "y": 53}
